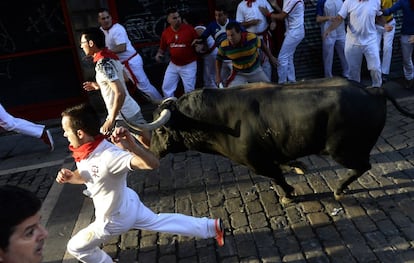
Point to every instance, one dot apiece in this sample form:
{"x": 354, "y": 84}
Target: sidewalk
{"x": 374, "y": 222}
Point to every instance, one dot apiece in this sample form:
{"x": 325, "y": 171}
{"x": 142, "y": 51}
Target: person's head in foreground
{"x": 21, "y": 235}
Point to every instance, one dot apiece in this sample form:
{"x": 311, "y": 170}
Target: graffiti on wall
{"x": 39, "y": 24}
{"x": 145, "y": 20}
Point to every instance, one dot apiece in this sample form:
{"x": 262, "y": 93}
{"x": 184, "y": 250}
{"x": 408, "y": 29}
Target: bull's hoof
{"x": 298, "y": 170}
{"x": 284, "y": 200}
{"x": 338, "y": 195}
{"x": 299, "y": 167}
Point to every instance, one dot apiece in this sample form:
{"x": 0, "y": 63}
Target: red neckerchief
{"x": 83, "y": 151}
{"x": 249, "y": 2}
{"x": 104, "y": 53}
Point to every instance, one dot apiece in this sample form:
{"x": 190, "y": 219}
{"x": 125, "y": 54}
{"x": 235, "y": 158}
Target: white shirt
{"x": 105, "y": 172}
{"x": 245, "y": 13}
{"x": 296, "y": 13}
{"x": 117, "y": 35}
{"x": 361, "y": 25}
{"x": 107, "y": 71}
{"x": 331, "y": 8}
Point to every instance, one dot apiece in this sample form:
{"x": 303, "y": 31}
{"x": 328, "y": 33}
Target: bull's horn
{"x": 162, "y": 119}
{"x": 168, "y": 99}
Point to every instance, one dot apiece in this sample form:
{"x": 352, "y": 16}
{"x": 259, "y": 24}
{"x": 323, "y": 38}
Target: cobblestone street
{"x": 374, "y": 222}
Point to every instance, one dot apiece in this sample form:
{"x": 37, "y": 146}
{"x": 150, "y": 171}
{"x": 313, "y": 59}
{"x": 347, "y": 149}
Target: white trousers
{"x": 187, "y": 73}
{"x": 209, "y": 69}
{"x": 137, "y": 66}
{"x": 354, "y": 53}
{"x": 135, "y": 215}
{"x": 257, "y": 75}
{"x": 10, "y": 123}
{"x": 329, "y": 45}
{"x": 286, "y": 68}
{"x": 267, "y": 67}
{"x": 387, "y": 41}
{"x": 226, "y": 70}
{"x": 407, "y": 53}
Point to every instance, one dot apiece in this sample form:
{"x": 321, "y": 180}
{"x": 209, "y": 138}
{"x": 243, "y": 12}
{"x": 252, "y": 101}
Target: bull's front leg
{"x": 351, "y": 176}
{"x": 273, "y": 171}
{"x": 286, "y": 195}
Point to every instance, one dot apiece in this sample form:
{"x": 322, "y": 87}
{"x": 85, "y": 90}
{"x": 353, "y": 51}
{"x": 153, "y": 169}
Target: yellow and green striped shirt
{"x": 245, "y": 57}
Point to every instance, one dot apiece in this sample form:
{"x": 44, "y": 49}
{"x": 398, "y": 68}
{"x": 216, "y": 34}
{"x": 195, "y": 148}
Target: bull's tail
{"x": 387, "y": 91}
{"x": 398, "y": 107}
{"x": 388, "y": 88}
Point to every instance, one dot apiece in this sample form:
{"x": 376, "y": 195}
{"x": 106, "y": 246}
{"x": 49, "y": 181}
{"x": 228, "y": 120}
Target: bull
{"x": 264, "y": 126}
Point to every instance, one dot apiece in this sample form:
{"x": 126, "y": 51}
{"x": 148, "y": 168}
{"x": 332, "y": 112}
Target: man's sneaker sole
{"x": 218, "y": 224}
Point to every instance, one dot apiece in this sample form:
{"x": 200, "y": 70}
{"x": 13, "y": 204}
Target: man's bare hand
{"x": 64, "y": 175}
{"x": 122, "y": 138}
{"x": 107, "y": 127}
{"x": 388, "y": 27}
{"x": 90, "y": 86}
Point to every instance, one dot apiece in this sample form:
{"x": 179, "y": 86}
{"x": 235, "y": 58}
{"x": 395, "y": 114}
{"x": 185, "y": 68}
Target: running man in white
{"x": 293, "y": 13}
{"x": 110, "y": 81}
{"x": 117, "y": 41}
{"x": 361, "y": 37}
{"x": 326, "y": 10}
{"x": 103, "y": 167}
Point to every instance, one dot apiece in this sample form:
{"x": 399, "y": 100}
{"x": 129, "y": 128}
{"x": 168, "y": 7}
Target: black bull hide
{"x": 264, "y": 125}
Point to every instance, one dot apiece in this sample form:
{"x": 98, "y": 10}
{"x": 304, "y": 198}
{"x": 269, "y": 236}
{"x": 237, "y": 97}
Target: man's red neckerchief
{"x": 83, "y": 151}
{"x": 104, "y": 53}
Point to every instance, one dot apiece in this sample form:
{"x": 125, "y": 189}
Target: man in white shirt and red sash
{"x": 116, "y": 39}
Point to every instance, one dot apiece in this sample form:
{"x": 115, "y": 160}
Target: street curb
{"x": 60, "y": 213}
{"x": 53, "y": 195}
{"x": 84, "y": 219}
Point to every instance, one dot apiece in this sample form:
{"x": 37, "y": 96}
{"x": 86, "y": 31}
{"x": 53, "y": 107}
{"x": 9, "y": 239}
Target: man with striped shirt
{"x": 243, "y": 49}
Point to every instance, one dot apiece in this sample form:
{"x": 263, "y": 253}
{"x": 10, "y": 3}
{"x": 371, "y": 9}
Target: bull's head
{"x": 178, "y": 127}
{"x": 164, "y": 138}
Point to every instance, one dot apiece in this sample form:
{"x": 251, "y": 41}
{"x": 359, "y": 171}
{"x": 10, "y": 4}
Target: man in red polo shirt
{"x": 183, "y": 59}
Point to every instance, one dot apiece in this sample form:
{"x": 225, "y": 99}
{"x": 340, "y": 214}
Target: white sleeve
{"x": 343, "y": 12}
{"x": 119, "y": 161}
{"x": 239, "y": 13}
